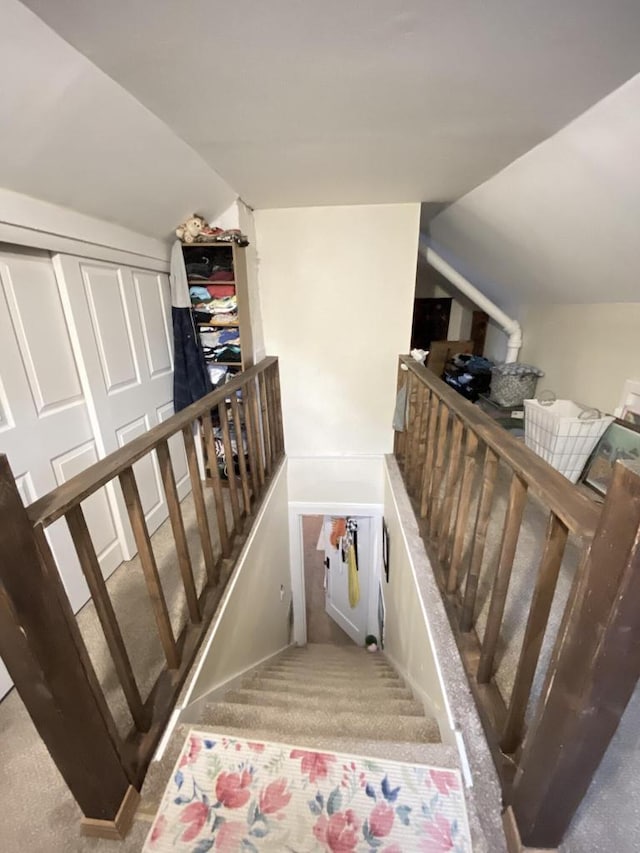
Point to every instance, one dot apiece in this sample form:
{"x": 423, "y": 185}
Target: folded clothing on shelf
{"x": 212, "y": 336}
{"x": 222, "y": 352}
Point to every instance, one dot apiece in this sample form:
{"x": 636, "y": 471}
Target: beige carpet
{"x": 38, "y": 812}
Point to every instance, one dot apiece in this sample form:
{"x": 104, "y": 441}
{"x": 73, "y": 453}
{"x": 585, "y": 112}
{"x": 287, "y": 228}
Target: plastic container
{"x": 513, "y": 383}
{"x": 563, "y": 433}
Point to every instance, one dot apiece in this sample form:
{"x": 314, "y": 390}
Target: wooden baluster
{"x": 450, "y": 489}
{"x": 177, "y": 526}
{"x": 216, "y": 485}
{"x": 149, "y": 566}
{"x": 263, "y": 407}
{"x": 411, "y": 441}
{"x": 489, "y": 474}
{"x": 415, "y": 474}
{"x": 106, "y": 614}
{"x": 436, "y": 479}
{"x": 593, "y": 672}
{"x": 254, "y": 419}
{"x": 534, "y": 632}
{"x": 462, "y": 516}
{"x": 47, "y": 659}
{"x": 510, "y": 533}
{"x": 434, "y": 410}
{"x": 242, "y": 459}
{"x": 422, "y": 440}
{"x": 200, "y": 506}
{"x": 272, "y": 413}
{"x": 251, "y": 442}
{"x": 278, "y": 403}
{"x": 231, "y": 470}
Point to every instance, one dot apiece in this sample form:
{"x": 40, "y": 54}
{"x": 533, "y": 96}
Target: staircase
{"x": 341, "y": 693}
{"x": 339, "y": 698}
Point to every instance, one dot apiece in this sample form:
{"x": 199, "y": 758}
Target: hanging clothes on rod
{"x": 341, "y": 534}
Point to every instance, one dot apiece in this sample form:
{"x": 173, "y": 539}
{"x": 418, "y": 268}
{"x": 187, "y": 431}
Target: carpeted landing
{"x": 236, "y": 794}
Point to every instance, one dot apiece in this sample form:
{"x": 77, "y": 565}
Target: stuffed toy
{"x": 196, "y": 226}
{"x": 195, "y": 229}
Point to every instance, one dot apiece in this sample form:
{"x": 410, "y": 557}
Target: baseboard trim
{"x": 116, "y": 829}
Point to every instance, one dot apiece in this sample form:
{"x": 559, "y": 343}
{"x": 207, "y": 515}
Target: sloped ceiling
{"x": 562, "y": 223}
{"x": 309, "y": 103}
{"x": 73, "y": 137}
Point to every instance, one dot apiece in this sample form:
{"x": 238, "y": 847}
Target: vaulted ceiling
{"x": 559, "y": 225}
{"x": 309, "y": 103}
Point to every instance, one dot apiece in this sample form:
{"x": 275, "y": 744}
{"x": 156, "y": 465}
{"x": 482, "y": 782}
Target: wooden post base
{"x": 116, "y": 829}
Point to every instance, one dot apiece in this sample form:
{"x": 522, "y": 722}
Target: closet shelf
{"x": 220, "y": 325}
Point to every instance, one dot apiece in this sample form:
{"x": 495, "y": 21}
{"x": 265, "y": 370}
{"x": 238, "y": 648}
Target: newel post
{"x": 46, "y": 657}
{"x": 593, "y": 672}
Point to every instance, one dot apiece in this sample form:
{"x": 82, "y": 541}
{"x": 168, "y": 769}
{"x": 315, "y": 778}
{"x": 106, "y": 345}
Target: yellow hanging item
{"x": 354, "y": 583}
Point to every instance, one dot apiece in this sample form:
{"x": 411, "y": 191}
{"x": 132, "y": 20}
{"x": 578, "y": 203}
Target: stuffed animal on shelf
{"x": 196, "y": 226}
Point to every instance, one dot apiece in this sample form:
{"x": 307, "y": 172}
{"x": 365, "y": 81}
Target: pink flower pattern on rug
{"x": 232, "y": 795}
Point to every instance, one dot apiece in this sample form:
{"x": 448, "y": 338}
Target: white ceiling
{"x": 71, "y": 136}
{"x": 561, "y": 224}
{"x": 338, "y": 102}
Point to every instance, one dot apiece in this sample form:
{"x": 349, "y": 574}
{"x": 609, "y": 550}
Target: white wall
{"x": 246, "y": 223}
{"x": 586, "y": 351}
{"x": 336, "y": 287}
{"x": 407, "y": 641}
{"x": 252, "y": 623}
{"x": 341, "y": 480}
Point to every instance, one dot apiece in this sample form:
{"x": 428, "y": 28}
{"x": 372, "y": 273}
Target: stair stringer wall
{"x": 252, "y": 623}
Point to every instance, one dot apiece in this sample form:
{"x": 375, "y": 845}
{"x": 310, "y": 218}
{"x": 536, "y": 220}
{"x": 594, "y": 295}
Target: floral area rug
{"x": 236, "y": 795}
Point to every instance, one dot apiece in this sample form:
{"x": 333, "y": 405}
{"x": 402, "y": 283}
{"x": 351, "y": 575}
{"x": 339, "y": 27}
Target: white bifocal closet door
{"x": 120, "y": 325}
{"x": 45, "y": 429}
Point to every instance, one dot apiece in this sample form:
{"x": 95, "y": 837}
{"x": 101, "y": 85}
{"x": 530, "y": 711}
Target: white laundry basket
{"x": 563, "y": 433}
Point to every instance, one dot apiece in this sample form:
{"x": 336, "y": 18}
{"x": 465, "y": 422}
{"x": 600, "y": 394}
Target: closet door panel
{"x": 45, "y": 428}
{"x": 111, "y": 326}
{"x": 154, "y": 308}
{"x": 121, "y": 328}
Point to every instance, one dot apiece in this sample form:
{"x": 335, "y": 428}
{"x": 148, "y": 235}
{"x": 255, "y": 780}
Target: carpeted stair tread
{"x": 331, "y": 680}
{"x": 374, "y": 726}
{"x": 303, "y": 667}
{"x": 373, "y": 690}
{"x": 338, "y": 702}
{"x": 328, "y": 663}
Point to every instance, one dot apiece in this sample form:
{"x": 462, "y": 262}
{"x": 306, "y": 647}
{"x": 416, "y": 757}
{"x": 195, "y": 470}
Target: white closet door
{"x": 45, "y": 429}
{"x": 120, "y": 323}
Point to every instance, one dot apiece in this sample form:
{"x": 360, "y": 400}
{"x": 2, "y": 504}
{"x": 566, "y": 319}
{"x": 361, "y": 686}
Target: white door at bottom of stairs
{"x": 352, "y": 620}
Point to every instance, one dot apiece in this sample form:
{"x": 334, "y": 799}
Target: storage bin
{"x": 513, "y": 383}
{"x": 563, "y": 433}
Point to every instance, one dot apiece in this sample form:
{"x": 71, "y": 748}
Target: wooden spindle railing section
{"x": 245, "y": 412}
{"x": 452, "y": 457}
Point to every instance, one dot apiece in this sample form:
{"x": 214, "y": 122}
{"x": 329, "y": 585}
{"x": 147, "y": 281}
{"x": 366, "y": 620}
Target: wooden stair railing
{"x": 40, "y": 641}
{"x": 447, "y": 444}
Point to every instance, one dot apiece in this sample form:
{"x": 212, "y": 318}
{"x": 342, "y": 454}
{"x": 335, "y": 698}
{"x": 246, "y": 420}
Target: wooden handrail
{"x": 545, "y": 767}
{"x": 39, "y": 639}
{"x": 579, "y": 514}
{"x": 55, "y": 504}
